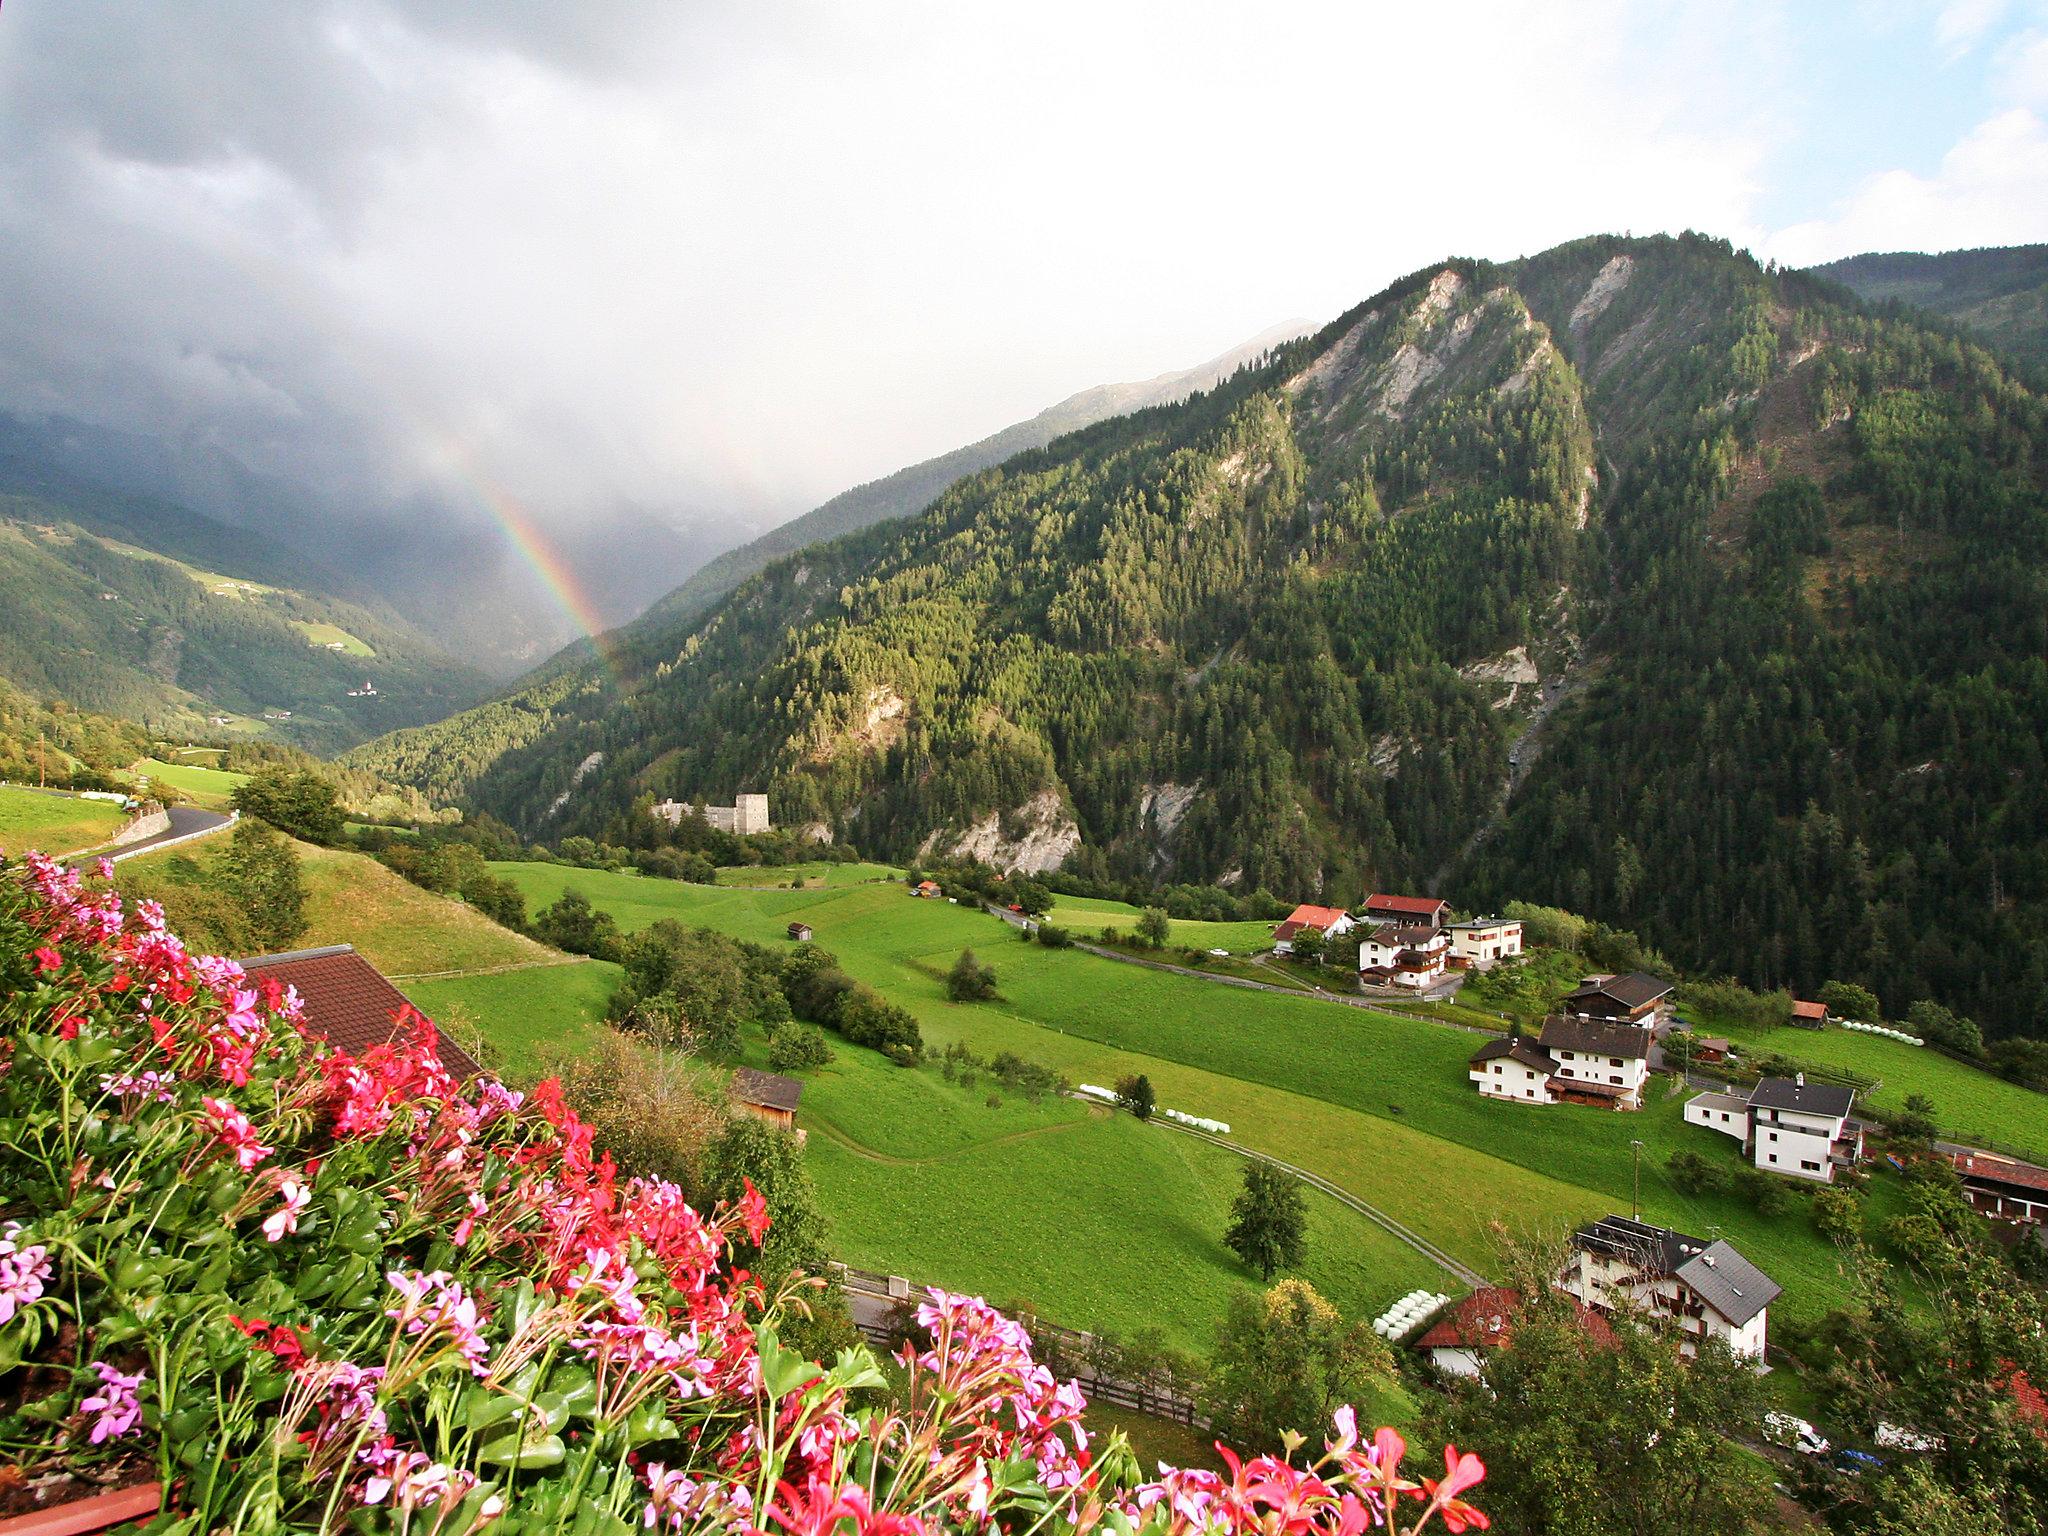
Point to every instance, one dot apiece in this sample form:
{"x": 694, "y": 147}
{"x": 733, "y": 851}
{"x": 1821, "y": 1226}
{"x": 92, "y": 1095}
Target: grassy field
{"x": 521, "y": 1016}
{"x": 328, "y": 635}
{"x": 54, "y": 823}
{"x": 817, "y": 875}
{"x": 1088, "y": 916}
{"x": 1095, "y": 1220}
{"x": 1379, "y": 1104}
{"x": 206, "y": 787}
{"x": 1970, "y": 1105}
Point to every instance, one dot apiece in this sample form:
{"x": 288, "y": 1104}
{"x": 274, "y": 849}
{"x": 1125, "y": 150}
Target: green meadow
{"x": 818, "y": 874}
{"x": 1088, "y": 916}
{"x": 200, "y": 785}
{"x": 53, "y": 824}
{"x": 1379, "y": 1104}
{"x": 523, "y": 1017}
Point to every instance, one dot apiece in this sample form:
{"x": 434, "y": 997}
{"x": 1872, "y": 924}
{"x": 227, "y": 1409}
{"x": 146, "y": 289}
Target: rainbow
{"x": 556, "y": 574}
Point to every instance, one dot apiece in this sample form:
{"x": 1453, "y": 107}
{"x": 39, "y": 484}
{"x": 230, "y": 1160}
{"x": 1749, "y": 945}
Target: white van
{"x": 1794, "y": 1433}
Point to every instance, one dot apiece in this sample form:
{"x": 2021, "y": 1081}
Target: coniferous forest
{"x": 1631, "y": 577}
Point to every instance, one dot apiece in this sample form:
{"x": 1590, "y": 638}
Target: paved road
{"x": 186, "y": 821}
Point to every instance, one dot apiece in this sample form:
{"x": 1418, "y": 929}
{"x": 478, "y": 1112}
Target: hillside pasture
{"x": 816, "y": 874}
{"x": 523, "y": 1017}
{"x": 331, "y": 636}
{"x": 1379, "y": 1104}
{"x": 1088, "y": 916}
{"x": 197, "y": 783}
{"x": 53, "y": 823}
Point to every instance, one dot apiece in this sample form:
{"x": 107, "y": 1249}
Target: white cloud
{"x": 1963, "y": 24}
{"x": 1991, "y": 189}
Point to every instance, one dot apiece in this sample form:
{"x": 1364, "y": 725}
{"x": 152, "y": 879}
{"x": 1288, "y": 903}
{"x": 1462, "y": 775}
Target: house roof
{"x": 1712, "y": 1043}
{"x": 1638, "y": 989}
{"x": 770, "y": 1090}
{"x": 1809, "y": 1010}
{"x": 1528, "y": 1055}
{"x": 1729, "y": 1283}
{"x": 1828, "y": 1099}
{"x": 1308, "y": 916}
{"x": 1715, "y": 1272}
{"x": 349, "y": 1002}
{"x": 1595, "y": 1036}
{"x": 1991, "y": 1168}
{"x": 799, "y": 927}
{"x": 927, "y": 885}
{"x": 1419, "y": 906}
{"x": 1488, "y": 922}
{"x": 1486, "y": 1318}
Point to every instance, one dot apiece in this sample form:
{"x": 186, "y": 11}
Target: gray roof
{"x": 1728, "y": 1283}
{"x": 1638, "y": 989}
{"x": 1828, "y": 1099}
{"x": 1515, "y": 1050}
{"x": 770, "y": 1090}
{"x": 1596, "y": 1037}
{"x": 1715, "y": 1272}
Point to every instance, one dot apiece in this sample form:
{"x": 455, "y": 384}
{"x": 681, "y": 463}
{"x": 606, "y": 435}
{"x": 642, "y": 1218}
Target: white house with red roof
{"x": 1329, "y": 922}
{"x": 1459, "y": 1342}
{"x": 1404, "y": 955}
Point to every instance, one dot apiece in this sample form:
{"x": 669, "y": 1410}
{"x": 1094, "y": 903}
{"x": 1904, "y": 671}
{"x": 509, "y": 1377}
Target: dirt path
{"x": 495, "y": 970}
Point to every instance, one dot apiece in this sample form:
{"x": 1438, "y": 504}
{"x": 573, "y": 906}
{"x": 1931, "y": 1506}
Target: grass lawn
{"x": 816, "y": 875}
{"x": 206, "y": 787}
{"x": 1969, "y": 1104}
{"x": 352, "y": 899}
{"x": 1096, "y": 1219}
{"x": 1377, "y": 1103}
{"x": 523, "y": 1016}
{"x": 1088, "y": 916}
{"x": 55, "y": 824}
{"x": 326, "y": 635}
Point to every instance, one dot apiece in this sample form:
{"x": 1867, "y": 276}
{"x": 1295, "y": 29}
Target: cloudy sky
{"x": 716, "y": 262}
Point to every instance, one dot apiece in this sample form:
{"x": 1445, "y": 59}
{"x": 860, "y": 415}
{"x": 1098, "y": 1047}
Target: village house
{"x": 2003, "y": 1188}
{"x": 1637, "y": 998}
{"x": 1484, "y": 941}
{"x": 349, "y": 1003}
{"x": 1514, "y": 1068}
{"x": 801, "y": 932}
{"x": 1598, "y": 1062}
{"x": 1326, "y": 922}
{"x": 1381, "y": 908}
{"x": 929, "y": 889}
{"x": 1787, "y": 1125}
{"x": 768, "y": 1096}
{"x": 1809, "y": 1015}
{"x": 1403, "y": 955}
{"x": 1458, "y": 1343}
{"x": 746, "y": 815}
{"x": 1702, "y": 1290}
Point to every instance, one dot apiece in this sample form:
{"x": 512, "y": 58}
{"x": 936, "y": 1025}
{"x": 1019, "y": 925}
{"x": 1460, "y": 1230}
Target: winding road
{"x": 187, "y": 822}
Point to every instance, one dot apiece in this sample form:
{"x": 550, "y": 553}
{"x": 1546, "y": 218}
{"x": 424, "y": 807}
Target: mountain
{"x": 1999, "y": 295}
{"x": 912, "y": 489}
{"x": 1629, "y": 577}
{"x": 136, "y": 607}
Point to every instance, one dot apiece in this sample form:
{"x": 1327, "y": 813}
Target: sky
{"x": 705, "y": 265}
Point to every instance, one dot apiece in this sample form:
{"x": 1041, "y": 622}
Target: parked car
{"x": 1856, "y": 1463}
{"x": 1893, "y": 1438}
{"x": 1220, "y": 954}
{"x": 1794, "y": 1433}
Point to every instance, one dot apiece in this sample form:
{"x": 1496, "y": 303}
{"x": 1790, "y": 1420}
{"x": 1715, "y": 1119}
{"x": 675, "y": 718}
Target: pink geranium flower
{"x": 285, "y": 1218}
{"x": 114, "y": 1407}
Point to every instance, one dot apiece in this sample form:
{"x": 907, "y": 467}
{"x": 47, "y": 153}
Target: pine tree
{"x": 1269, "y": 1221}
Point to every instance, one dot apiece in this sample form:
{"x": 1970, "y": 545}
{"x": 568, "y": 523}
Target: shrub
{"x": 798, "y": 1048}
{"x": 1154, "y": 927}
{"x": 1695, "y": 1174}
{"x": 303, "y": 804}
{"x": 1767, "y": 1193}
{"x": 1944, "y": 1028}
{"x": 1053, "y": 936}
{"x": 1845, "y": 999}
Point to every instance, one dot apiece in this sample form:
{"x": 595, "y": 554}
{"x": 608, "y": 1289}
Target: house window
{"x": 1774, "y": 1135}
{"x": 1809, "y": 1167}
{"x": 1614, "y": 1061}
{"x": 1774, "y": 1157}
{"x": 1615, "y": 1080}
{"x": 1496, "y": 1069}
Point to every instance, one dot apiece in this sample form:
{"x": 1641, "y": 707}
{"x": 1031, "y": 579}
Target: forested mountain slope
{"x": 2000, "y": 294}
{"x": 912, "y": 489}
{"x": 1739, "y": 587}
{"x": 133, "y": 607}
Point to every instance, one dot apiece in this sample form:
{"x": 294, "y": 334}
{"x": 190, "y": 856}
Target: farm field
{"x": 1096, "y": 1220}
{"x": 329, "y": 635}
{"x": 1970, "y": 1105}
{"x": 206, "y": 787}
{"x": 818, "y": 874}
{"x": 523, "y": 1017}
{"x": 1088, "y": 916}
{"x": 55, "y": 824}
{"x": 1377, "y": 1103}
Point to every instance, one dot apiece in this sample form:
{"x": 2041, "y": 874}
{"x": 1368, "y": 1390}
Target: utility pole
{"x": 1636, "y": 1201}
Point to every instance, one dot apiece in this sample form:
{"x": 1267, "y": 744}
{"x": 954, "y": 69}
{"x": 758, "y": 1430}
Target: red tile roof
{"x": 1486, "y": 1319}
{"x": 1422, "y": 906}
{"x": 1809, "y": 1010}
{"x": 2002, "y": 1170}
{"x": 1318, "y": 918}
{"x": 349, "y": 1002}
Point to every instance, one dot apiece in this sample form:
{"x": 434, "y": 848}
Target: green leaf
{"x": 513, "y": 1451}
